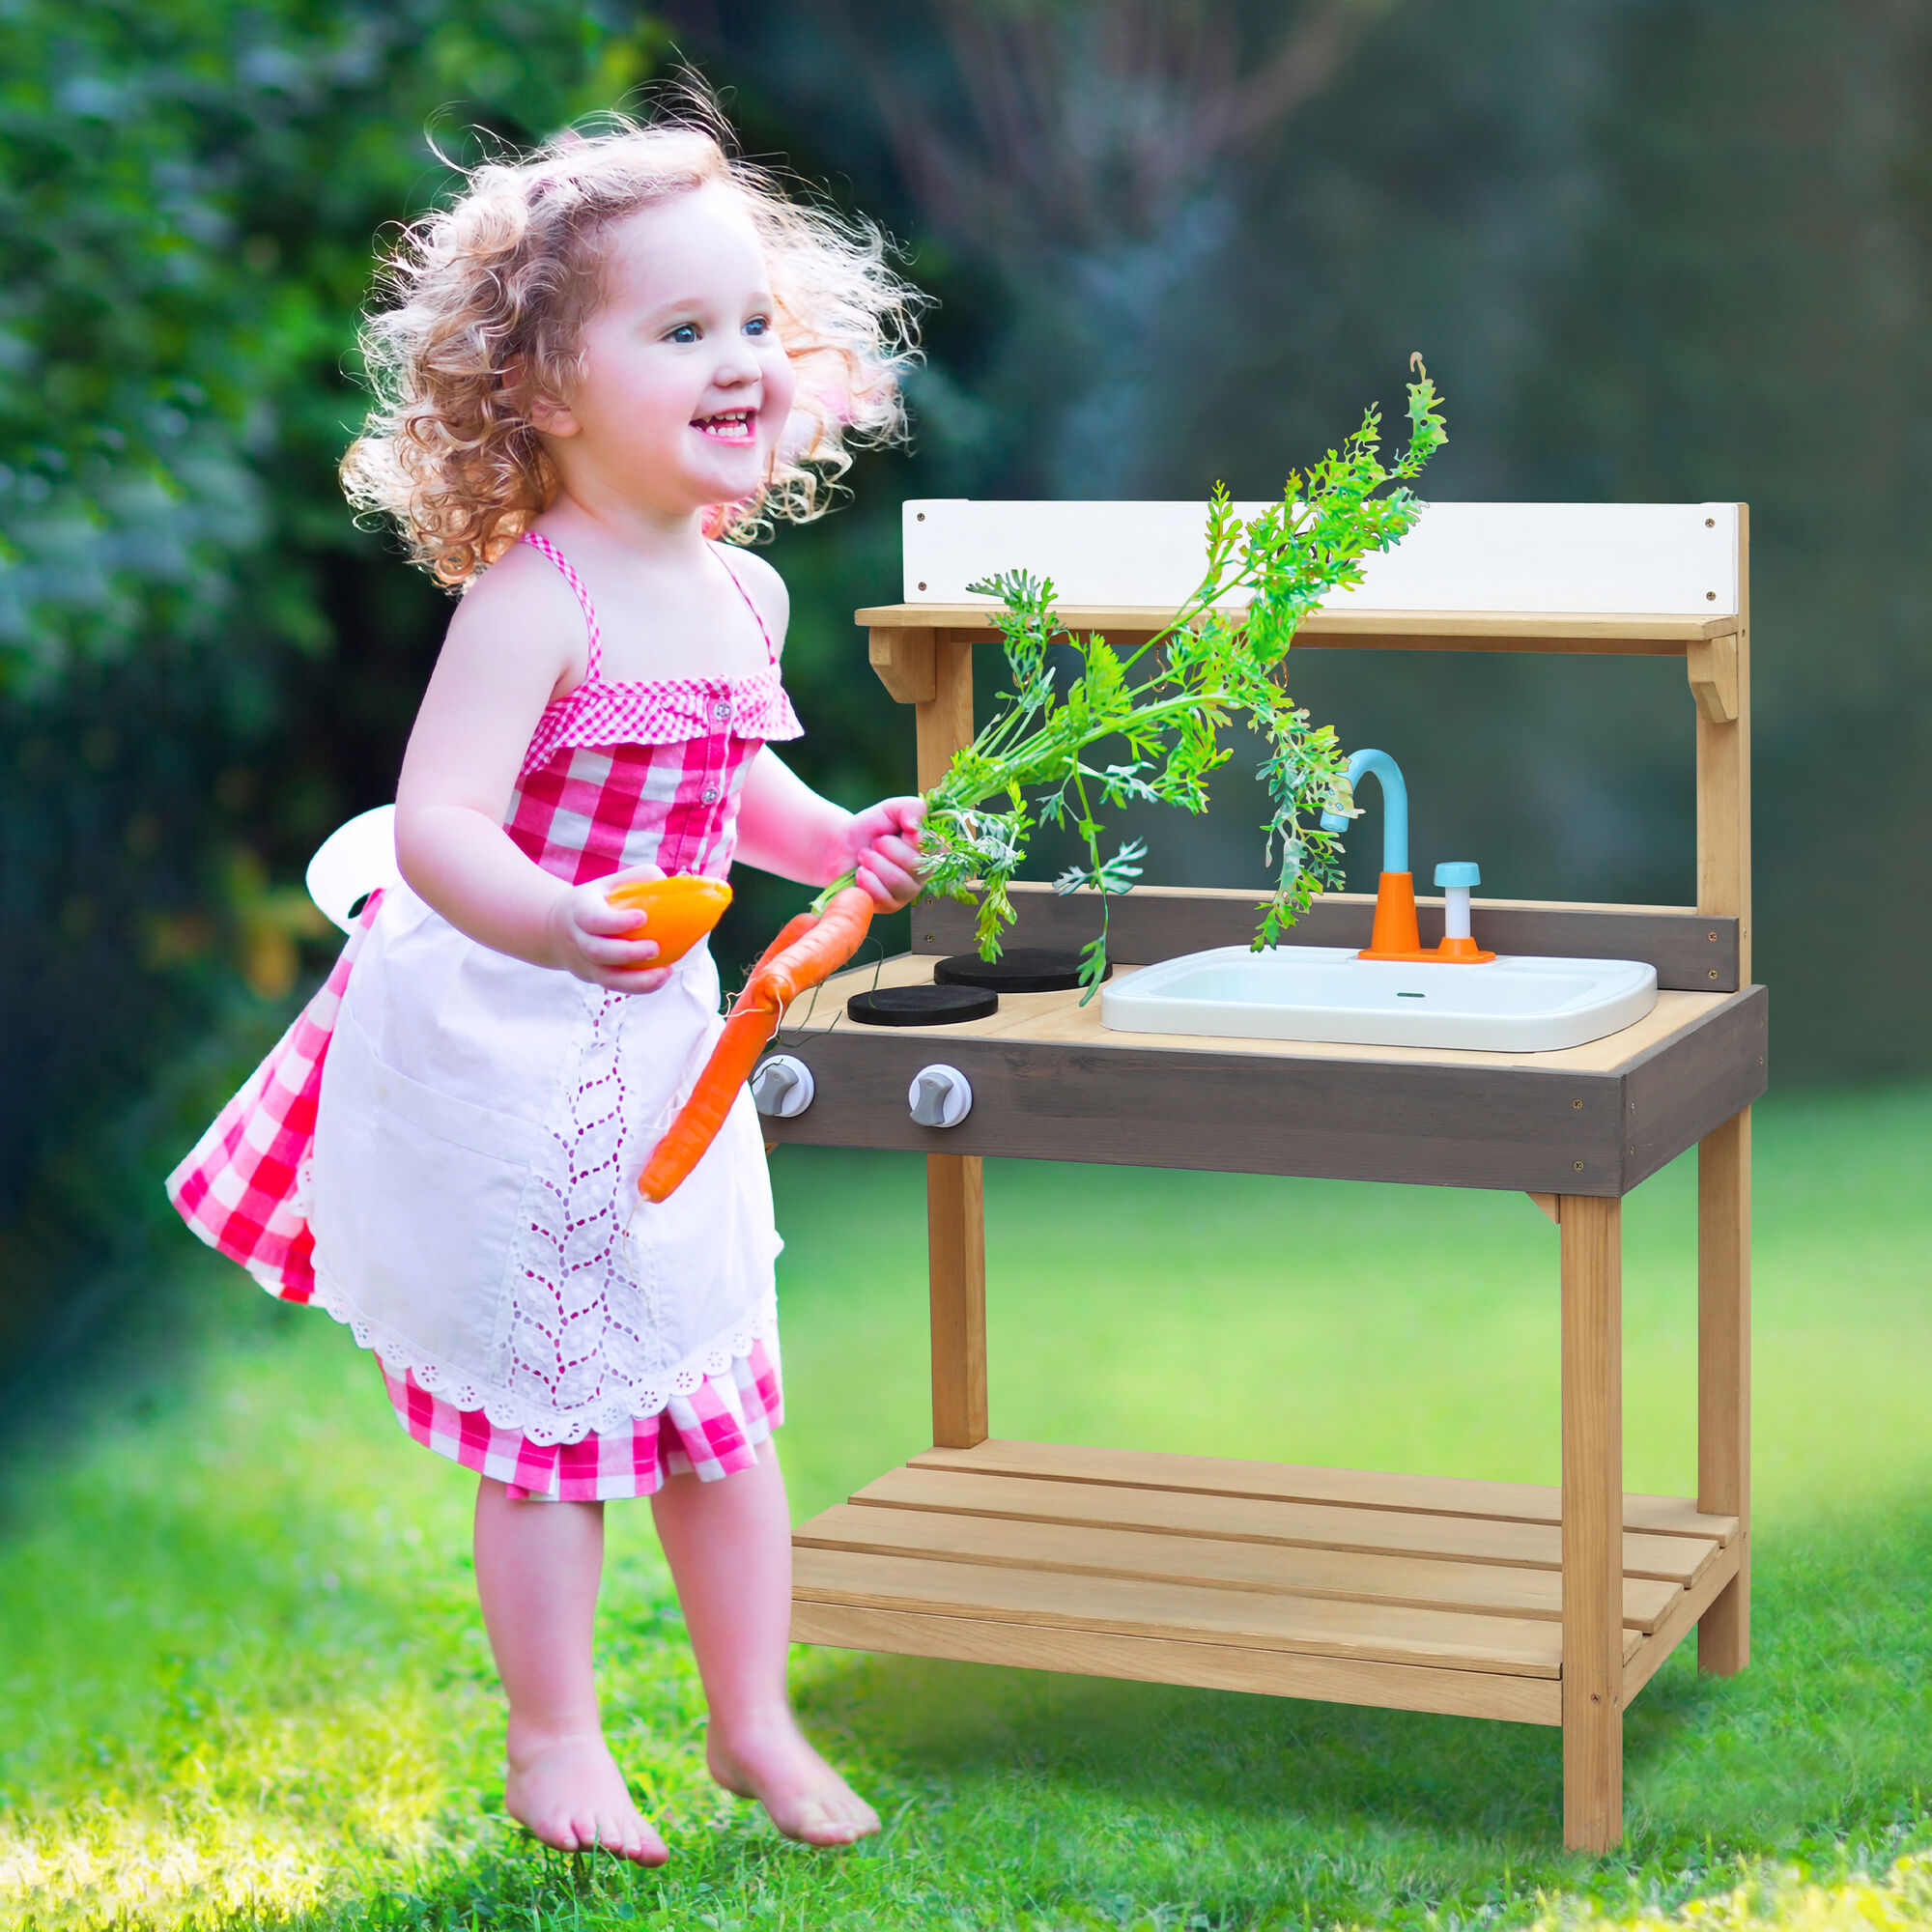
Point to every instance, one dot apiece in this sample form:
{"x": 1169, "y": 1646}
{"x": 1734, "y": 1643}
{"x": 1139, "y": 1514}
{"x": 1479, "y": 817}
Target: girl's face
{"x": 685, "y": 387}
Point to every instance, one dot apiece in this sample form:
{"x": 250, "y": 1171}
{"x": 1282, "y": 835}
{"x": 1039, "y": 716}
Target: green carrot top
{"x": 1165, "y": 704}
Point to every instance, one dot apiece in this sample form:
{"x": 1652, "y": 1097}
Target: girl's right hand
{"x": 585, "y": 935}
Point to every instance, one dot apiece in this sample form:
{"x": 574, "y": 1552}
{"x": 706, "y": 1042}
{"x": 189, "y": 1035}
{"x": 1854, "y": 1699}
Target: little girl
{"x": 599, "y": 359}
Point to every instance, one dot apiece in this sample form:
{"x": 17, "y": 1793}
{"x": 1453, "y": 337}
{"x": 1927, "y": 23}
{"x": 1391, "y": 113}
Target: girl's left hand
{"x": 881, "y": 844}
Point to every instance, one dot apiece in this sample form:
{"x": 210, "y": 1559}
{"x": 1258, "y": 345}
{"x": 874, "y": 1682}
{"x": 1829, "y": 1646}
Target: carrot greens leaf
{"x": 1167, "y": 701}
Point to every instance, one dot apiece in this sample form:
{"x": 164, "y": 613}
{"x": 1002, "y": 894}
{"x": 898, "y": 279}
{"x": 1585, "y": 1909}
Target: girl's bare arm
{"x": 491, "y": 684}
{"x": 785, "y": 827}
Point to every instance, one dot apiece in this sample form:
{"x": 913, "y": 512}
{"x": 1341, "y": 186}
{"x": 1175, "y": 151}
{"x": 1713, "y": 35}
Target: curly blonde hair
{"x": 508, "y": 274}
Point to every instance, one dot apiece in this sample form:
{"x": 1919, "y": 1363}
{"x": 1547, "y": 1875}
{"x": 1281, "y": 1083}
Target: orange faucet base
{"x": 1395, "y": 936}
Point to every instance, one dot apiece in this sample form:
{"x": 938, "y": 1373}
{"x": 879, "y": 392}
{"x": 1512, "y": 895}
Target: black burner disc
{"x": 921, "y": 1006}
{"x": 1019, "y": 969}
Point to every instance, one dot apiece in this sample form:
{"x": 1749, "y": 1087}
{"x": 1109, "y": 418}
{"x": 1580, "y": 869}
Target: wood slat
{"x": 1693, "y": 952}
{"x": 1207, "y": 1666}
{"x": 1639, "y": 634}
{"x": 1482, "y": 1589}
{"x": 1515, "y": 1646}
{"x": 1672, "y": 1560}
{"x": 1291, "y": 1481}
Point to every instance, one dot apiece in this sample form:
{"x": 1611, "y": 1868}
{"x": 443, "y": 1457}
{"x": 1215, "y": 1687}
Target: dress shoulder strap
{"x": 594, "y": 657}
{"x": 750, "y": 603}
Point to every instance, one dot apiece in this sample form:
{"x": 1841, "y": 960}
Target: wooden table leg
{"x": 944, "y": 723}
{"x": 956, "y": 1229}
{"x": 1593, "y": 1566}
{"x": 1723, "y": 1376}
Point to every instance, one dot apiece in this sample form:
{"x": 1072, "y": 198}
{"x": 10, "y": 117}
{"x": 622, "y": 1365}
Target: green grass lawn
{"x": 242, "y": 1679}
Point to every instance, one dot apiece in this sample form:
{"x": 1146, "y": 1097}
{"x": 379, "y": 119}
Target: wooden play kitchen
{"x": 1549, "y": 1606}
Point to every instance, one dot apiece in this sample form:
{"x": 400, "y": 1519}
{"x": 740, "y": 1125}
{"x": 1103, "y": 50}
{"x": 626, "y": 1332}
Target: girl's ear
{"x": 541, "y": 410}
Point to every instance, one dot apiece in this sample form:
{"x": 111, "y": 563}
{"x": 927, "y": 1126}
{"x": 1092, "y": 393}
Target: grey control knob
{"x": 781, "y": 1087}
{"x": 939, "y": 1096}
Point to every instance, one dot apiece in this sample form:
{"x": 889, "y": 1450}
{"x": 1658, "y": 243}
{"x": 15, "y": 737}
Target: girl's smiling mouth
{"x": 729, "y": 425}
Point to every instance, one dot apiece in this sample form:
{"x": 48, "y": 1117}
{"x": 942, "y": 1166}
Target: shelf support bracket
{"x": 904, "y": 663}
{"x": 1713, "y": 666}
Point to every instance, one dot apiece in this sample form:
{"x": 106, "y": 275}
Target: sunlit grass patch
{"x": 1781, "y": 1899}
{"x": 217, "y": 1705}
{"x": 244, "y": 1682}
{"x": 253, "y": 1811}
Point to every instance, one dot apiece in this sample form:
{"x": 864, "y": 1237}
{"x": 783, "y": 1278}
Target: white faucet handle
{"x": 1455, "y": 876}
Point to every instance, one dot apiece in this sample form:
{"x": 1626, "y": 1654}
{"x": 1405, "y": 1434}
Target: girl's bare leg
{"x": 538, "y": 1566}
{"x": 729, "y": 1546}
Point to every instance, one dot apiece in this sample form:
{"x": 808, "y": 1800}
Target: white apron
{"x": 473, "y": 1196}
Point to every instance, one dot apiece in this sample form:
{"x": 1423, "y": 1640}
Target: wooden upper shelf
{"x": 1583, "y": 632}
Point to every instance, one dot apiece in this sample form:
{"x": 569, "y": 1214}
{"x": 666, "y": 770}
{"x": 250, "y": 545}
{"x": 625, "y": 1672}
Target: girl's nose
{"x": 737, "y": 366}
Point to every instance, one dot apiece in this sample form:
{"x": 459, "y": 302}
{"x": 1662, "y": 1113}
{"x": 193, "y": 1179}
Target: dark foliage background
{"x": 1654, "y": 249}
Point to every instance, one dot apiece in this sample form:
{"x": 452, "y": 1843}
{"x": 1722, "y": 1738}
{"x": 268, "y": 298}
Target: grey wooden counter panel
{"x": 1546, "y": 1130}
{"x": 1456, "y": 1126}
{"x": 1693, "y": 952}
{"x": 1686, "y": 1087}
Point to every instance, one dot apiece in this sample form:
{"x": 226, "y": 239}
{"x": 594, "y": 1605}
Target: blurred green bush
{"x": 203, "y": 664}
{"x": 1665, "y": 249}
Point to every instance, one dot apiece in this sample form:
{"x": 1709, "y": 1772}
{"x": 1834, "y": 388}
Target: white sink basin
{"x": 1515, "y": 1005}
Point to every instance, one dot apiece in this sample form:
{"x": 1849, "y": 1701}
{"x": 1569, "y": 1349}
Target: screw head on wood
{"x": 1577, "y": 1165}
{"x": 1576, "y": 1104}
{"x": 1713, "y": 972}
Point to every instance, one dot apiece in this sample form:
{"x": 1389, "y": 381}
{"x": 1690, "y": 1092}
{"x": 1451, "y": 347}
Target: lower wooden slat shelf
{"x": 1205, "y": 1667}
{"x": 1199, "y": 1614}
{"x": 1414, "y": 1583}
{"x": 1680, "y": 1621}
{"x": 1365, "y": 1489}
{"x": 1340, "y": 1585}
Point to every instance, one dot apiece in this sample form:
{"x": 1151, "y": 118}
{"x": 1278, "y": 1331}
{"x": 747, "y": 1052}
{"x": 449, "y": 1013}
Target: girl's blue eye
{"x": 685, "y": 333}
{"x": 759, "y": 325}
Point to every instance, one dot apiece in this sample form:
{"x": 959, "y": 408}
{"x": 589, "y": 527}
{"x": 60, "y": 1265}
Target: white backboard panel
{"x": 1657, "y": 559}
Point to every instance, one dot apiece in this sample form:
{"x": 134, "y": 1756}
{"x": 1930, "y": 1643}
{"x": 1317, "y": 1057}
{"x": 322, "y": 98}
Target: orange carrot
{"x": 808, "y": 951}
{"x": 822, "y": 947}
{"x": 794, "y": 928}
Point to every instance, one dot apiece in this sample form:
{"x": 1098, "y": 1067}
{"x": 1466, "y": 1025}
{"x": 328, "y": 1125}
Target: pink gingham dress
{"x": 444, "y": 1150}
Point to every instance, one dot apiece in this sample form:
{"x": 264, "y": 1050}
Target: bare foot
{"x": 569, "y": 1793}
{"x": 806, "y": 1798}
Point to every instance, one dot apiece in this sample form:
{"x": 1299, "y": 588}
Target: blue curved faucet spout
{"x": 1395, "y": 807}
